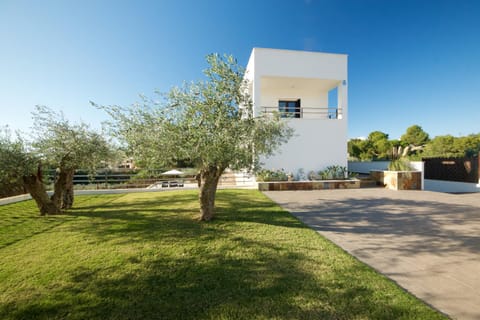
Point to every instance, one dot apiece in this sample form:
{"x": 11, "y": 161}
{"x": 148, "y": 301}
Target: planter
{"x": 398, "y": 180}
{"x": 309, "y": 185}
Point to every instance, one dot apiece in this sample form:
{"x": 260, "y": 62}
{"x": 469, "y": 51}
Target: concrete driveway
{"x": 428, "y": 242}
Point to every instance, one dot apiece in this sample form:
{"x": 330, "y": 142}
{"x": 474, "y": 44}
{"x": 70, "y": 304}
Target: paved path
{"x": 429, "y": 243}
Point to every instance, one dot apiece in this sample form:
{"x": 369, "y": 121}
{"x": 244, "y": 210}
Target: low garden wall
{"x": 308, "y": 185}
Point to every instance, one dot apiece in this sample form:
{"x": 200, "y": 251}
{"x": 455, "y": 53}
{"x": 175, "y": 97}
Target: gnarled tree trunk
{"x": 208, "y": 189}
{"x": 34, "y": 185}
{"x": 63, "y": 188}
{"x": 57, "y": 195}
{"x": 68, "y": 192}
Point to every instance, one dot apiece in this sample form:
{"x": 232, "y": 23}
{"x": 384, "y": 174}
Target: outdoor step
{"x": 237, "y": 178}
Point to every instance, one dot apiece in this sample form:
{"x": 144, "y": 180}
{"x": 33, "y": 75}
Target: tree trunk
{"x": 208, "y": 189}
{"x": 63, "y": 188}
{"x": 68, "y": 196}
{"x": 57, "y": 195}
{"x": 34, "y": 185}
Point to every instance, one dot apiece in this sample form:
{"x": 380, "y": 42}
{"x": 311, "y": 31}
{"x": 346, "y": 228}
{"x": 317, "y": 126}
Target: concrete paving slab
{"x": 428, "y": 242}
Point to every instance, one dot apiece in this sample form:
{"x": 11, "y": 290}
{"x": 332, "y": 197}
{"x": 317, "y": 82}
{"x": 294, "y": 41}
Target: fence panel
{"x": 452, "y": 169}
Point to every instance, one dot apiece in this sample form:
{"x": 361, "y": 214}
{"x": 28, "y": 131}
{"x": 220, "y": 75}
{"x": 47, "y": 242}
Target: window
{"x": 333, "y": 103}
{"x": 289, "y": 108}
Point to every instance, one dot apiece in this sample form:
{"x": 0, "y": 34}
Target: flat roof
{"x": 304, "y": 51}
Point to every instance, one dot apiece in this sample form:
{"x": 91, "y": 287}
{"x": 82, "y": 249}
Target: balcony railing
{"x": 306, "y": 112}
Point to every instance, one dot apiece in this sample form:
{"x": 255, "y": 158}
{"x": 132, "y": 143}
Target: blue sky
{"x": 410, "y": 62}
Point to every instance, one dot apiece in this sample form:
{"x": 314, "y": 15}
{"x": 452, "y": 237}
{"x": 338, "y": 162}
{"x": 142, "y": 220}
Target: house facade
{"x": 309, "y": 90}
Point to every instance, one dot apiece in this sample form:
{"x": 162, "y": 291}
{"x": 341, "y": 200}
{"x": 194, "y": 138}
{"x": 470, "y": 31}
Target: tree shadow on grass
{"x": 174, "y": 214}
{"x": 163, "y": 218}
{"x": 21, "y": 221}
{"x": 141, "y": 200}
{"x": 271, "y": 283}
{"x": 243, "y": 207}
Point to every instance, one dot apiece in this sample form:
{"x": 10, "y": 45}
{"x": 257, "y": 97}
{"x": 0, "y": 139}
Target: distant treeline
{"x": 414, "y": 144}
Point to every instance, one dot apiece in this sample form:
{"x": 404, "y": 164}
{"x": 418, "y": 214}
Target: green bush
{"x": 330, "y": 173}
{"x": 272, "y": 175}
{"x": 400, "y": 165}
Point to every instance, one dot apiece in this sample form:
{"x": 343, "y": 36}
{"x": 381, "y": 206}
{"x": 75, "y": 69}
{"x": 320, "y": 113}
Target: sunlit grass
{"x": 145, "y": 256}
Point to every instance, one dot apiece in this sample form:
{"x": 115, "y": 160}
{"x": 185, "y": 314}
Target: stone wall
{"x": 398, "y": 180}
{"x": 308, "y": 185}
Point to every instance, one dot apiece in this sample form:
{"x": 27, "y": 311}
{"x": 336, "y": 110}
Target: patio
{"x": 429, "y": 243}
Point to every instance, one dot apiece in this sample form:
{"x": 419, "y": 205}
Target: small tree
{"x": 376, "y": 147}
{"x": 208, "y": 123}
{"x": 413, "y": 142}
{"x": 67, "y": 147}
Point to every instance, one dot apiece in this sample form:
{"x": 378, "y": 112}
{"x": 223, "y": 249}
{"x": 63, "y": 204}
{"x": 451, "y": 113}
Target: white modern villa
{"x": 309, "y": 90}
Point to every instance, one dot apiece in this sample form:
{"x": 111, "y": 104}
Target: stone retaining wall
{"x": 308, "y": 185}
{"x": 398, "y": 180}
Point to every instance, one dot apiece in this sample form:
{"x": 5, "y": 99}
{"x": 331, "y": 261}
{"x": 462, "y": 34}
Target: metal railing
{"x": 131, "y": 179}
{"x": 305, "y": 112}
{"x": 126, "y": 179}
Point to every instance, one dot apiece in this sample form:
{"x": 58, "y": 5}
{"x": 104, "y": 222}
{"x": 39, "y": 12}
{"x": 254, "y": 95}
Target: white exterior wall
{"x": 366, "y": 166}
{"x": 276, "y": 75}
{"x": 299, "y": 64}
{"x": 451, "y": 186}
{"x": 314, "y": 146}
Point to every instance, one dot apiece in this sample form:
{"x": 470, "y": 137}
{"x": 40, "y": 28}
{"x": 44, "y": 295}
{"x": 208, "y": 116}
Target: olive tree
{"x": 56, "y": 144}
{"x": 66, "y": 147}
{"x": 209, "y": 123}
{"x": 20, "y": 165}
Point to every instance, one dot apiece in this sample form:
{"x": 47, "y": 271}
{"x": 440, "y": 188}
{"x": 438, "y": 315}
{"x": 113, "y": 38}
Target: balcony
{"x": 305, "y": 112}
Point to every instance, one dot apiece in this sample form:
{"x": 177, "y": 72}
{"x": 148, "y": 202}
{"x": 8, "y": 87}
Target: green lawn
{"x": 144, "y": 256}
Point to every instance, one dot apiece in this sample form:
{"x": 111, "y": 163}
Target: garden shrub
{"x": 272, "y": 175}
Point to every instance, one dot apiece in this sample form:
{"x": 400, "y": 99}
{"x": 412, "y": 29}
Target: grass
{"x": 144, "y": 256}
